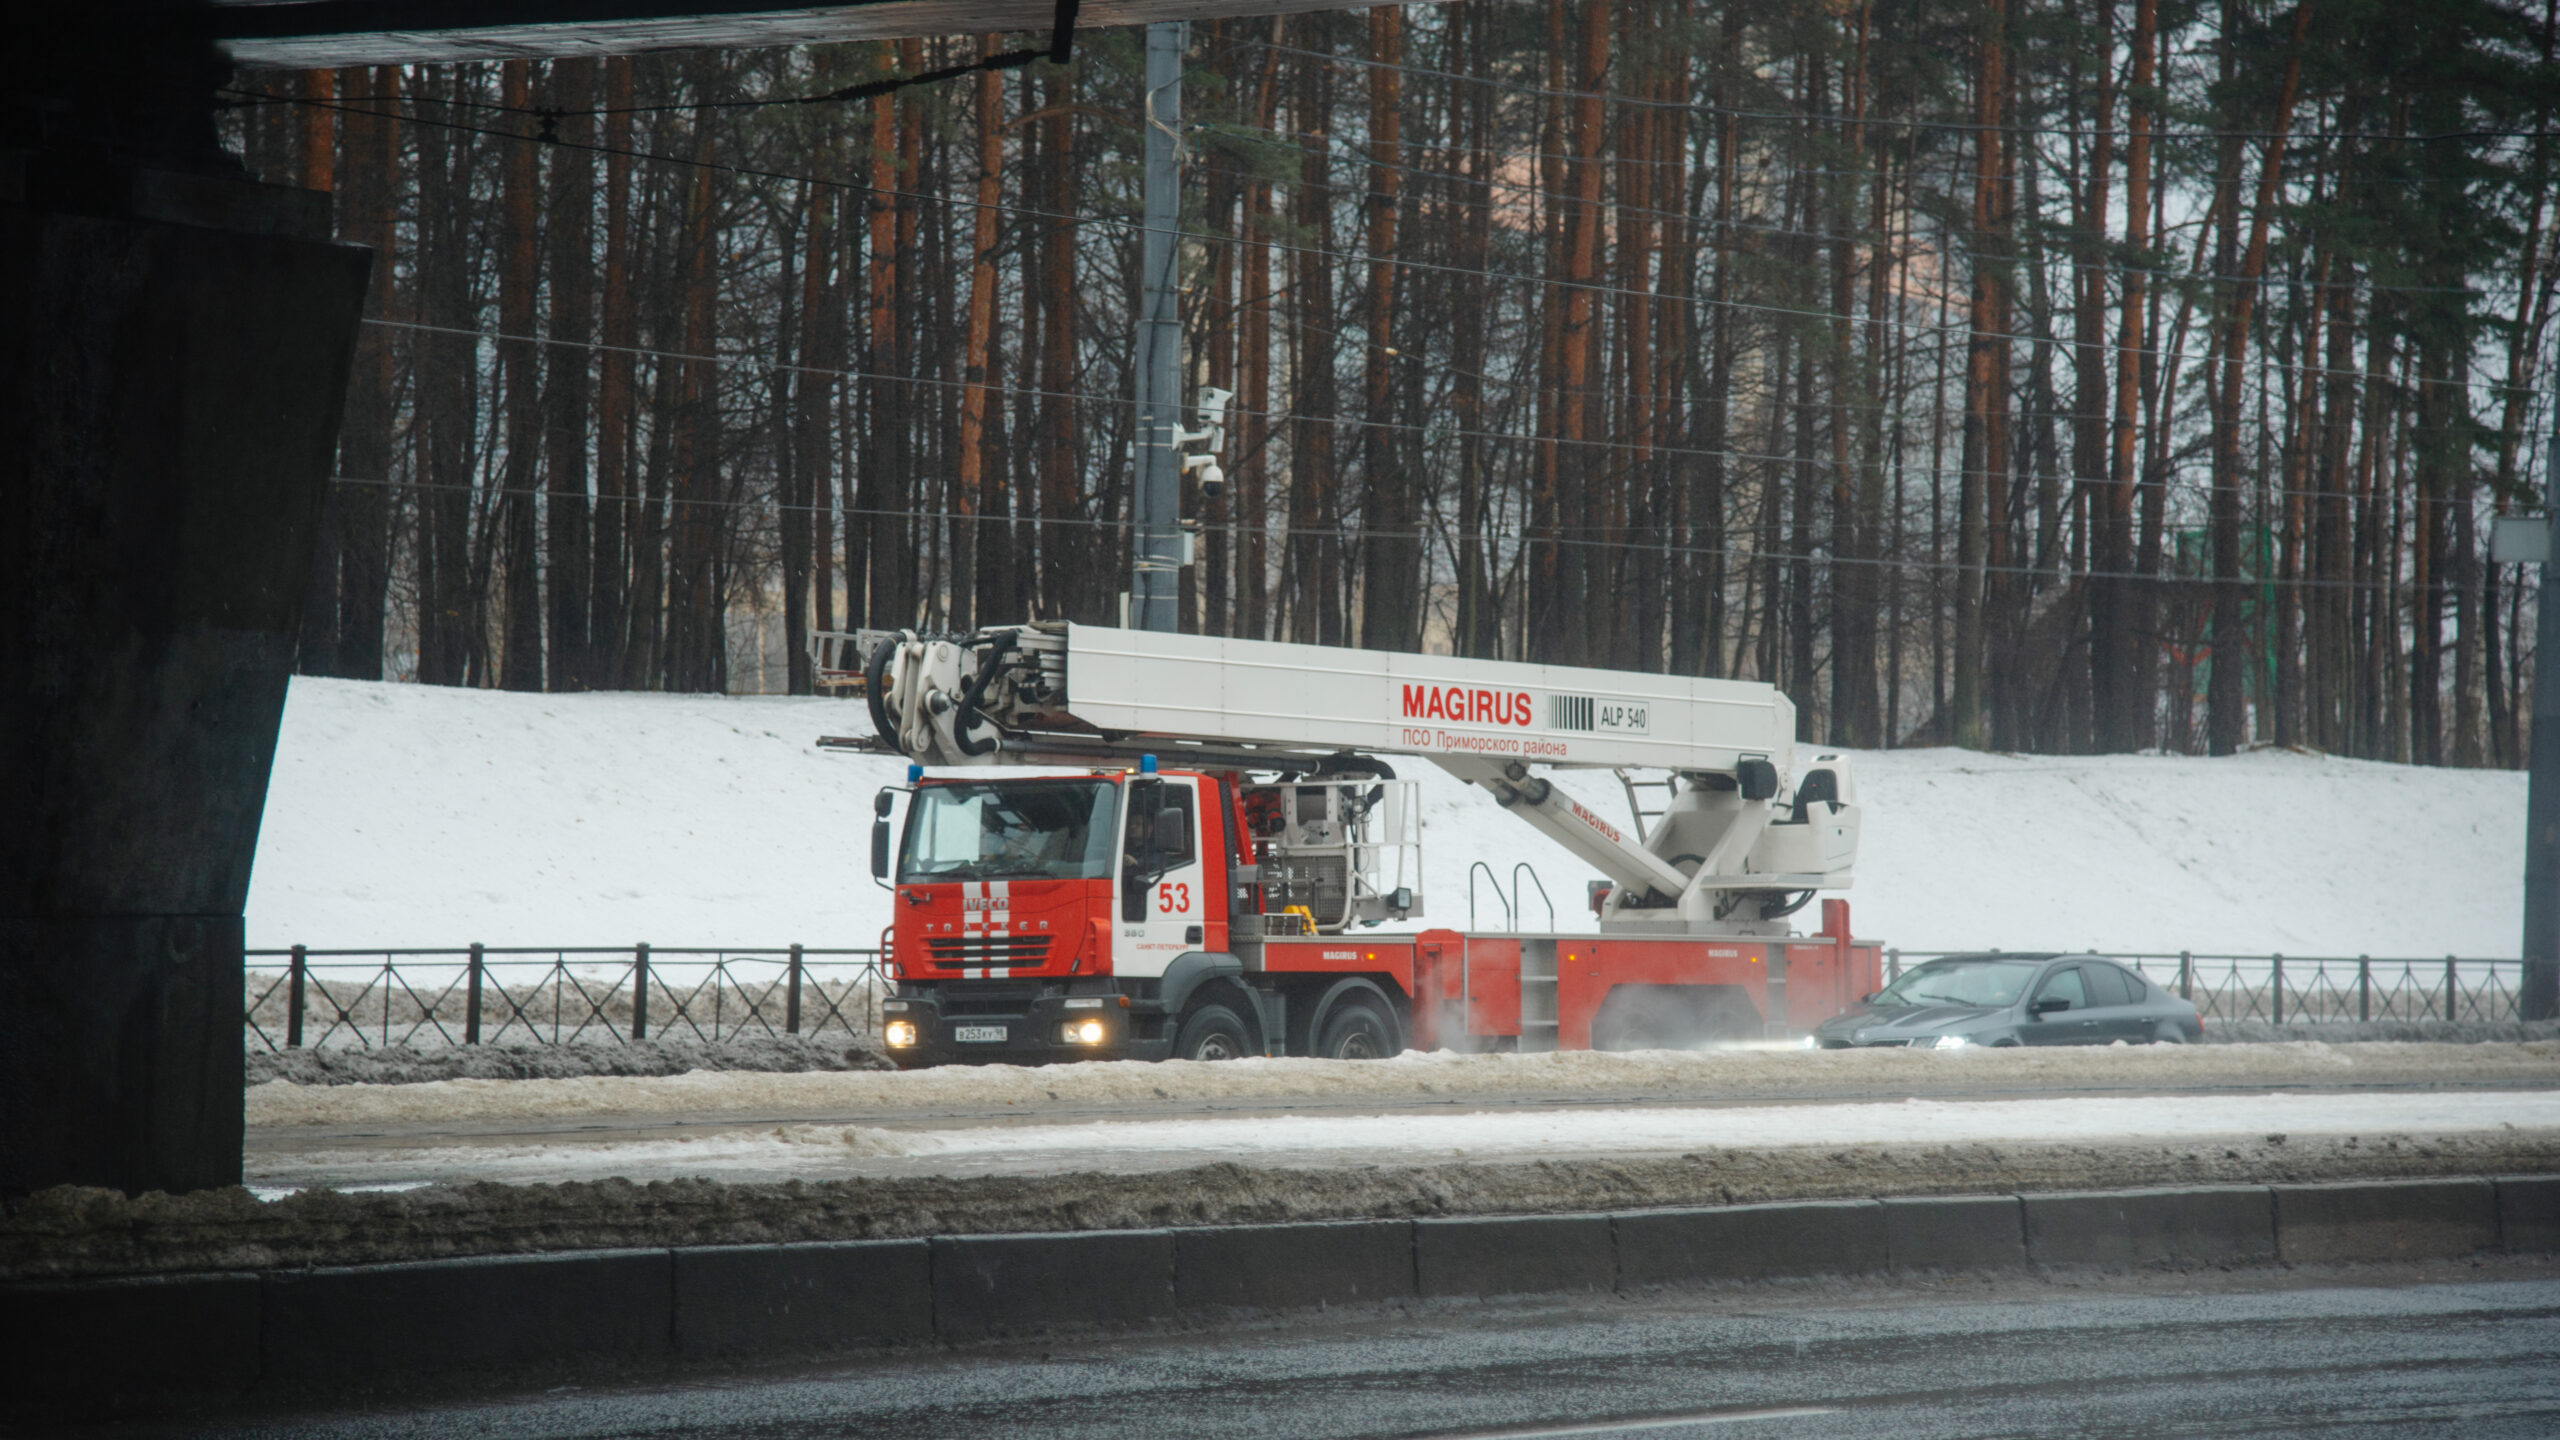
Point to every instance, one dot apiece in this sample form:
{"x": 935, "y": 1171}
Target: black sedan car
{"x": 2004, "y": 999}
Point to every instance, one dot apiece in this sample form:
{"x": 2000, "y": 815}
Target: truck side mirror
{"x": 880, "y": 835}
{"x": 1165, "y": 836}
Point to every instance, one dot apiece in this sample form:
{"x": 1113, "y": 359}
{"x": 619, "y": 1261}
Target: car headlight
{"x": 1949, "y": 1042}
{"x": 900, "y": 1033}
{"x": 1808, "y": 1043}
{"x": 1081, "y": 1032}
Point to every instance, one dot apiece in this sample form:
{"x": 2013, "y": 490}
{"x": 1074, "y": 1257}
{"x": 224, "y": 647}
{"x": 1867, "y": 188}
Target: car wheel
{"x": 1212, "y": 1032}
{"x": 1356, "y": 1031}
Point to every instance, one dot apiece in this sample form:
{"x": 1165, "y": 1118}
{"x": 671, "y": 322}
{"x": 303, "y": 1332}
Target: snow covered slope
{"x": 410, "y": 815}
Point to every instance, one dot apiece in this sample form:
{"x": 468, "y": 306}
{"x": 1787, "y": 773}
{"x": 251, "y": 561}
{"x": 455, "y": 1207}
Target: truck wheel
{"x": 1356, "y": 1031}
{"x": 1627, "y": 1028}
{"x": 1212, "y": 1032}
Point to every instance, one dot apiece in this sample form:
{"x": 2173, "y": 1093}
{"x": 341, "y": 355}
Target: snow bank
{"x": 409, "y": 815}
{"x": 1656, "y": 1076}
{"x": 1572, "y": 1133}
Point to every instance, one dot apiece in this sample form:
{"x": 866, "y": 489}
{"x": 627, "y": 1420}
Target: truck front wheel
{"x": 1212, "y": 1032}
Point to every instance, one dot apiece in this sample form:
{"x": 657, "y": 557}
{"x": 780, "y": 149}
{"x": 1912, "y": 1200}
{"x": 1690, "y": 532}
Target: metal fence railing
{"x": 482, "y": 994}
{"x": 2317, "y": 989}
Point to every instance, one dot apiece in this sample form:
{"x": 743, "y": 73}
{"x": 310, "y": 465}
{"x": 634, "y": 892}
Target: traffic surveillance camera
{"x": 1213, "y": 481}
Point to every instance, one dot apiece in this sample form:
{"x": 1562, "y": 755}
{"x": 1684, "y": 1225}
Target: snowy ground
{"x": 409, "y": 815}
{"x": 807, "y": 1151}
{"x": 1414, "y": 1078}
{"x": 1417, "y": 1109}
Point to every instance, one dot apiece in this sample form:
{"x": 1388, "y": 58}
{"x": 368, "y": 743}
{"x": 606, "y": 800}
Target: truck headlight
{"x": 900, "y": 1033}
{"x": 1949, "y": 1042}
{"x": 1081, "y": 1032}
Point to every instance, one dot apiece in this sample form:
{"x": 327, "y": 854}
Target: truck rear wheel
{"x": 1212, "y": 1032}
{"x": 1356, "y": 1031}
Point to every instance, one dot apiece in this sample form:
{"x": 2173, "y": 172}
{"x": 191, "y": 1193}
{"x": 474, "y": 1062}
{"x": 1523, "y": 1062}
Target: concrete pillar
{"x": 174, "y": 349}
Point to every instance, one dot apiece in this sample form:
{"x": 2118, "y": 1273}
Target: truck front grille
{"x": 991, "y": 1000}
{"x": 1026, "y": 952}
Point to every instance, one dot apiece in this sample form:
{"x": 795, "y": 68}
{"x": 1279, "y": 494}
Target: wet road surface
{"x": 2446, "y": 1350}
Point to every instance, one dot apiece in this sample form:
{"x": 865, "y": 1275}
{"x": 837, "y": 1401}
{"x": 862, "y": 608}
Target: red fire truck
{"x": 1203, "y": 873}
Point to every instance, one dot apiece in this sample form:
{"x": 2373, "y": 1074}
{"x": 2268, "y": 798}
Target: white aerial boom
{"x": 1739, "y": 841}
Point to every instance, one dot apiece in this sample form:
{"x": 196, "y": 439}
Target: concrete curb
{"x": 371, "y": 1324}
{"x": 1018, "y": 1284}
{"x": 1514, "y": 1255}
{"x": 356, "y": 1328}
{"x": 1740, "y": 1243}
{"x": 1957, "y": 1232}
{"x": 739, "y": 1301}
{"x": 1292, "y": 1267}
{"x": 2394, "y": 1220}
{"x": 2218, "y": 1225}
{"x": 2529, "y": 1213}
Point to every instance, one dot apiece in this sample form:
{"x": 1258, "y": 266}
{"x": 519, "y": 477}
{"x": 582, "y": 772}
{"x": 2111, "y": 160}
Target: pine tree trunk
{"x": 371, "y": 218}
{"x": 696, "y": 629}
{"x": 1391, "y": 552}
{"x": 520, "y": 388}
{"x": 975, "y": 596}
{"x": 2228, "y": 717}
{"x": 317, "y": 154}
{"x": 882, "y": 504}
{"x": 1315, "y": 510}
{"x": 1982, "y": 503}
{"x": 569, "y": 526}
{"x": 447, "y": 401}
{"x": 1254, "y": 430}
{"x": 1068, "y": 548}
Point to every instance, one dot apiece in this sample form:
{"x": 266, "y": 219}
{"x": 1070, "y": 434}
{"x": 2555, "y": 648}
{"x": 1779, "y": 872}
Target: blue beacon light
{"x": 1146, "y": 764}
{"x": 915, "y": 772}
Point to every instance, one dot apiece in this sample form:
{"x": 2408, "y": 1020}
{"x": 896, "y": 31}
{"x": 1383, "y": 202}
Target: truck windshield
{"x": 1010, "y": 830}
{"x": 1987, "y": 983}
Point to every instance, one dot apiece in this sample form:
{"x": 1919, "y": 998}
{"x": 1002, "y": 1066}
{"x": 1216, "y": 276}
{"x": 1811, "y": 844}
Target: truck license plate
{"x": 967, "y": 1034}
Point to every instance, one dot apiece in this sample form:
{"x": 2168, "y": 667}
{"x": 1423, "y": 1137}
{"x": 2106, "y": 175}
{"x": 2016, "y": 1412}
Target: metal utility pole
{"x": 2540, "y": 997}
{"x": 1155, "y": 546}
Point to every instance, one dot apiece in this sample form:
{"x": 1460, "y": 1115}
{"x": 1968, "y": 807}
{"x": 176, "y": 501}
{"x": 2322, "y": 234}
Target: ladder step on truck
{"x": 1205, "y": 875}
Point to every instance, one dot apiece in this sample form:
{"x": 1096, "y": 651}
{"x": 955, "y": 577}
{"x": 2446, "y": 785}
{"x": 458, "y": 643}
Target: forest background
{"x": 2046, "y": 375}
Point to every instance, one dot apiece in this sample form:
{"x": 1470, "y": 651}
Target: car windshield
{"x": 1010, "y": 830}
{"x": 1987, "y": 983}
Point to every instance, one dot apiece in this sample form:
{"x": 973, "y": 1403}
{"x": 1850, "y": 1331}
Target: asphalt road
{"x": 2444, "y": 1350}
